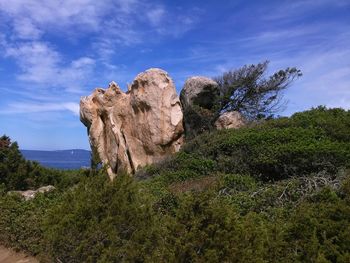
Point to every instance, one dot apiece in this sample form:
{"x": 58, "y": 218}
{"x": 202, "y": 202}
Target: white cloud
{"x": 156, "y": 15}
{"x": 128, "y": 6}
{"x": 42, "y": 64}
{"x": 291, "y": 10}
{"x": 173, "y": 24}
{"x": 32, "y": 18}
{"x": 26, "y": 30}
{"x": 52, "y": 13}
{"x": 36, "y": 59}
{"x": 29, "y": 107}
{"x": 112, "y": 19}
{"x": 48, "y": 73}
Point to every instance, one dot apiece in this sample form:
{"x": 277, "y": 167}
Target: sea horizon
{"x": 68, "y": 159}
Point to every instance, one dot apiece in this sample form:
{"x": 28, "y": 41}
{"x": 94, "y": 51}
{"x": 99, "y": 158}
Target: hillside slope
{"x": 277, "y": 191}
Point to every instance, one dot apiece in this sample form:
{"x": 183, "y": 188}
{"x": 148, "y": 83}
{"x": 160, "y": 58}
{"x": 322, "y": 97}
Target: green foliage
{"x": 12, "y": 164}
{"x": 326, "y": 225}
{"x": 101, "y": 221}
{"x": 181, "y": 167}
{"x": 198, "y": 120}
{"x": 21, "y": 221}
{"x": 206, "y": 229}
{"x": 335, "y": 123}
{"x": 274, "y": 192}
{"x": 280, "y": 148}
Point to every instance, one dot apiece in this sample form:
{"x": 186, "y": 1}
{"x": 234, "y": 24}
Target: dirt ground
{"x": 10, "y": 256}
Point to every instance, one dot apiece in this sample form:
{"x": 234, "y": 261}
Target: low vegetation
{"x": 276, "y": 191}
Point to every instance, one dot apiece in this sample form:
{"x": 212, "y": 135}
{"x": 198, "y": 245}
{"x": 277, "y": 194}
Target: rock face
{"x": 139, "y": 127}
{"x": 198, "y": 97}
{"x": 229, "y": 120}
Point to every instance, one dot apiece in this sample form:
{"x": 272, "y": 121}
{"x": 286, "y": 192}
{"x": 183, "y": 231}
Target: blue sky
{"x": 53, "y": 52}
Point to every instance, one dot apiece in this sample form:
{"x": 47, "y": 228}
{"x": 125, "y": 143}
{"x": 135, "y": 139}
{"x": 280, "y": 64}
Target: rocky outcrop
{"x": 198, "y": 97}
{"x": 200, "y": 91}
{"x": 30, "y": 194}
{"x": 139, "y": 127}
{"x": 229, "y": 120}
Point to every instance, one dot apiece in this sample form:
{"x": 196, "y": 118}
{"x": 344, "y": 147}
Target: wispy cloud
{"x": 42, "y": 64}
{"x": 156, "y": 15}
{"x": 112, "y": 25}
{"x": 320, "y": 48}
{"x": 29, "y": 107}
{"x": 25, "y": 29}
{"x": 40, "y": 15}
{"x": 293, "y": 10}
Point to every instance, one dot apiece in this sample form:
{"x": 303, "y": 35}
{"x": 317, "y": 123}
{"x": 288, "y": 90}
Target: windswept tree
{"x": 248, "y": 90}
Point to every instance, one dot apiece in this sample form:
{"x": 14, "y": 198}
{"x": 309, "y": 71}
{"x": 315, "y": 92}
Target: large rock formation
{"x": 139, "y": 127}
{"x": 198, "y": 98}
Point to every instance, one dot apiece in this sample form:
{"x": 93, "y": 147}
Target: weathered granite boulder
{"x": 200, "y": 91}
{"x": 229, "y": 120}
{"x": 139, "y": 127}
{"x": 198, "y": 97}
{"x": 30, "y": 194}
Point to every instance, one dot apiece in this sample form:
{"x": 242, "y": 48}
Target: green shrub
{"x": 321, "y": 229}
{"x": 277, "y": 149}
{"x": 21, "y": 221}
{"x": 335, "y": 123}
{"x": 101, "y": 221}
{"x": 206, "y": 229}
{"x": 204, "y": 204}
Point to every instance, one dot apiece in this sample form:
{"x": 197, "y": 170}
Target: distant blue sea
{"x": 65, "y": 159}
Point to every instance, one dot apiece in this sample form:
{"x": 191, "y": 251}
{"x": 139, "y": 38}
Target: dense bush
{"x": 274, "y": 192}
{"x": 101, "y": 221}
{"x": 335, "y": 123}
{"x": 273, "y": 153}
{"x": 21, "y": 222}
{"x": 309, "y": 142}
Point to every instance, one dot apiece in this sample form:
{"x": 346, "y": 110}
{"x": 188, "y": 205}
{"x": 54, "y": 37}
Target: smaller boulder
{"x": 198, "y": 98}
{"x": 229, "y": 120}
{"x": 30, "y": 194}
{"x": 200, "y": 91}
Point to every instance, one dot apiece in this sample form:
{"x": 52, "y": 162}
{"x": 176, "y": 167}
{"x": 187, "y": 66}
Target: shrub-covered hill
{"x": 277, "y": 191}
{"x": 311, "y": 143}
{"x": 17, "y": 173}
